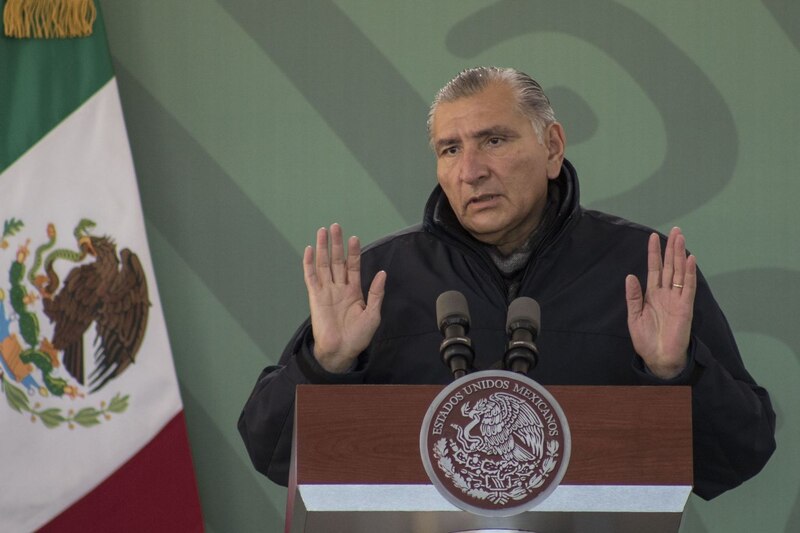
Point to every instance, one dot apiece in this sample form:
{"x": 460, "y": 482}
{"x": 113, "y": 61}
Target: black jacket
{"x": 577, "y": 275}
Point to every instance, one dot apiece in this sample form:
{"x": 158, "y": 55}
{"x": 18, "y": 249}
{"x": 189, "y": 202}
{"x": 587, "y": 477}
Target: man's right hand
{"x": 342, "y": 322}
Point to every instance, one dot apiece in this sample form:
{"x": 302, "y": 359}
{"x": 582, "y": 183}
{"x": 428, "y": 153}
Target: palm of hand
{"x": 660, "y": 320}
{"x": 343, "y": 323}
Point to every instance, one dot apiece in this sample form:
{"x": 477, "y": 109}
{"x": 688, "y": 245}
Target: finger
{"x": 338, "y": 269}
{"x": 354, "y": 261}
{"x": 653, "y": 262}
{"x": 309, "y": 273}
{"x": 679, "y": 261}
{"x": 669, "y": 259}
{"x": 690, "y": 281}
{"x": 375, "y": 296}
{"x": 323, "y": 265}
{"x": 633, "y": 297}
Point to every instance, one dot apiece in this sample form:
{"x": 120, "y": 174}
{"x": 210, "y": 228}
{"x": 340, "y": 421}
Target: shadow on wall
{"x": 673, "y": 78}
{"x": 749, "y": 293}
{"x": 226, "y": 478}
{"x": 787, "y": 15}
{"x": 331, "y": 62}
{"x": 212, "y": 209}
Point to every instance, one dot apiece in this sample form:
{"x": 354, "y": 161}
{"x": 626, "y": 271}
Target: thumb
{"x": 376, "y": 293}
{"x": 633, "y": 296}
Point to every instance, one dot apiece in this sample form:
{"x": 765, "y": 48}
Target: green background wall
{"x": 253, "y": 123}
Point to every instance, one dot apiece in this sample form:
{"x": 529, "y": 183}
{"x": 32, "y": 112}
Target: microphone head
{"x": 524, "y": 309}
{"x": 451, "y": 307}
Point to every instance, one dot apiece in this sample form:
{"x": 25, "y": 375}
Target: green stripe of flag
{"x": 42, "y": 81}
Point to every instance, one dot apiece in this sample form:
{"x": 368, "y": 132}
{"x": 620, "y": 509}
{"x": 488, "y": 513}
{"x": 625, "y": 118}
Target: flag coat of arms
{"x": 93, "y": 434}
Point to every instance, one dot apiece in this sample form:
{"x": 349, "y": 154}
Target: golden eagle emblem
{"x": 111, "y": 293}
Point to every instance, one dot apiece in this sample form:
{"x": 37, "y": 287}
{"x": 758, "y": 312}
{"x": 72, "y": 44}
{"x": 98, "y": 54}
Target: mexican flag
{"x": 92, "y": 432}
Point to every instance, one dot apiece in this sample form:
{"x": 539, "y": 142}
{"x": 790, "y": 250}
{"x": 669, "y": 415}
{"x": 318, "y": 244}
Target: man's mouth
{"x": 482, "y": 199}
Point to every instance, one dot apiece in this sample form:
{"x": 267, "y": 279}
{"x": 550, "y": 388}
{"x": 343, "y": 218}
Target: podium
{"x": 356, "y": 463}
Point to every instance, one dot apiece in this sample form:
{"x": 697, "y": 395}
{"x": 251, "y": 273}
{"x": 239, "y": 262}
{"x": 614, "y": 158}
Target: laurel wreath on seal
{"x": 52, "y": 417}
{"x": 474, "y": 472}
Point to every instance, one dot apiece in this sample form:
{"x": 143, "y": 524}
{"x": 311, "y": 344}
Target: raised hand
{"x": 660, "y": 320}
{"x": 342, "y": 322}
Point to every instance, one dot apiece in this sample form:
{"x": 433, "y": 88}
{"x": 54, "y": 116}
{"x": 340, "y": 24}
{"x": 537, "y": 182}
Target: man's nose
{"x": 473, "y": 166}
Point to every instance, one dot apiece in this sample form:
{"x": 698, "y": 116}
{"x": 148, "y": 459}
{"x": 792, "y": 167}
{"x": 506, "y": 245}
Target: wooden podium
{"x": 356, "y": 464}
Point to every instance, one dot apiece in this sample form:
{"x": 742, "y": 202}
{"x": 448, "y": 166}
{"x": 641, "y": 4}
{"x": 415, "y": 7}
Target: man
{"x": 505, "y": 221}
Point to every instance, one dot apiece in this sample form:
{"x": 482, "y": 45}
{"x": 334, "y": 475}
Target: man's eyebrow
{"x": 448, "y": 141}
{"x": 505, "y": 131}
{"x": 480, "y": 134}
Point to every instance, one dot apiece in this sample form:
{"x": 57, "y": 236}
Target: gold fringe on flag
{"x": 49, "y": 19}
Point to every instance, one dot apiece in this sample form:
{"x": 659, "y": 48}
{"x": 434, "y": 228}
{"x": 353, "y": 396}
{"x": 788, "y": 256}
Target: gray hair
{"x": 531, "y": 100}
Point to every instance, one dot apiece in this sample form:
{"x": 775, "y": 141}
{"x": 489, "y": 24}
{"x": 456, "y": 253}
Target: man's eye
{"x": 450, "y": 150}
{"x": 494, "y": 141}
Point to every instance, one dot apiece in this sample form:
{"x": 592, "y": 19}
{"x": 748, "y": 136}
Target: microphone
{"x": 522, "y": 325}
{"x": 452, "y": 316}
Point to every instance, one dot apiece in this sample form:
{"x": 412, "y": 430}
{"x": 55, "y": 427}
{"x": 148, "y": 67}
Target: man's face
{"x": 492, "y": 167}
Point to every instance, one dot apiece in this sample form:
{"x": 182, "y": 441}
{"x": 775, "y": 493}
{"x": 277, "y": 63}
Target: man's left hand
{"x": 660, "y": 320}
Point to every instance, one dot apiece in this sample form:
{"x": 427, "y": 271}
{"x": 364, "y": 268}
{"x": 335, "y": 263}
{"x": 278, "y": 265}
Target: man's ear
{"x": 556, "y": 142}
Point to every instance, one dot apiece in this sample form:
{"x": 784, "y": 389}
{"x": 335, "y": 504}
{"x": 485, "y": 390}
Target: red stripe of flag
{"x": 154, "y": 491}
